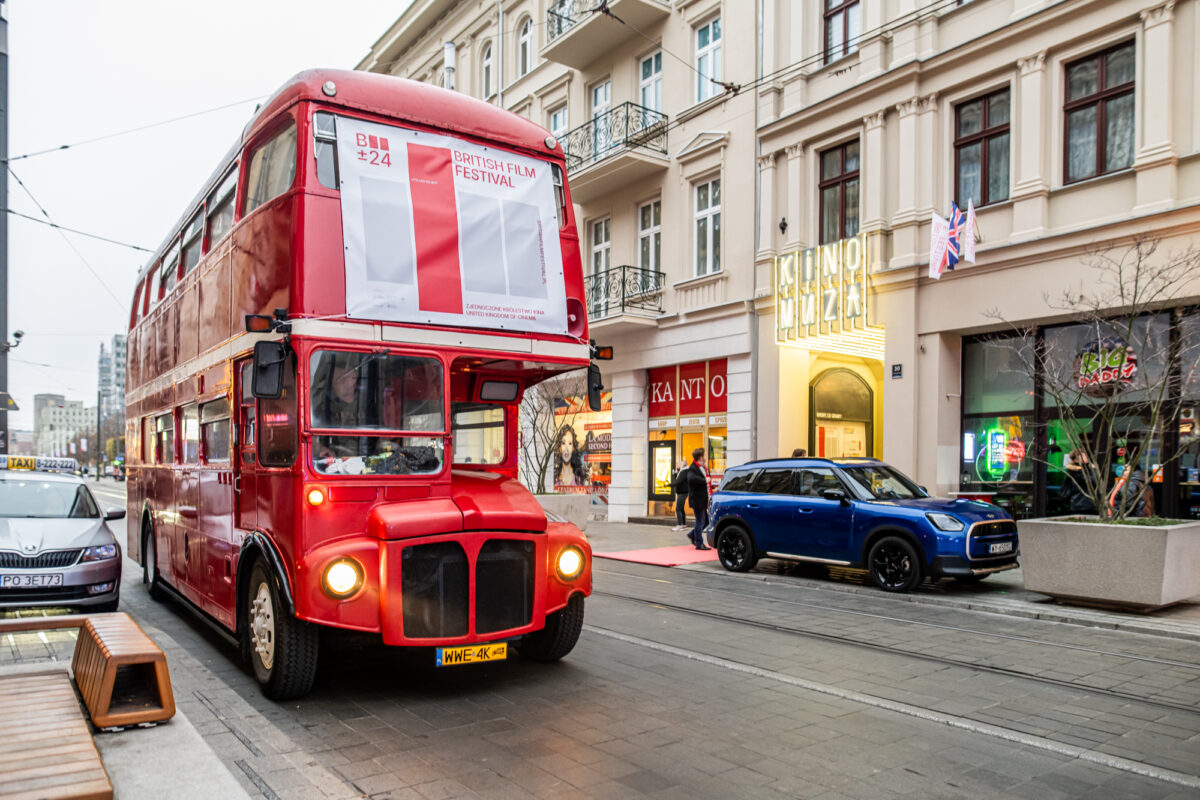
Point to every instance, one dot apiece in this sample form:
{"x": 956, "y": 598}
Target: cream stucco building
{"x": 723, "y": 153}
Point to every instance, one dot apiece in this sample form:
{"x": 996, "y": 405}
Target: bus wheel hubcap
{"x": 262, "y": 626}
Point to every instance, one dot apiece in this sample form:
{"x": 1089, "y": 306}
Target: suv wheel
{"x": 894, "y": 564}
{"x": 735, "y": 549}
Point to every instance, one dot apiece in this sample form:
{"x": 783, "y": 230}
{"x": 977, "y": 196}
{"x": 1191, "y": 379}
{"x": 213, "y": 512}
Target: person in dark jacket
{"x": 697, "y": 477}
{"x": 1076, "y": 476}
{"x": 1133, "y": 494}
{"x": 681, "y": 495}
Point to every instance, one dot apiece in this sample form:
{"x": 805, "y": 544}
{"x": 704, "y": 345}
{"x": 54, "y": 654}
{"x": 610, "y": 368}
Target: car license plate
{"x": 30, "y": 581}
{"x": 471, "y": 654}
{"x": 1000, "y": 547}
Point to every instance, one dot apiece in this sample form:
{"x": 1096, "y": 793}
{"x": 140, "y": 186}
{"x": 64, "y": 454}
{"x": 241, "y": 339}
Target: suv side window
{"x": 814, "y": 480}
{"x": 737, "y": 481}
{"x": 774, "y": 481}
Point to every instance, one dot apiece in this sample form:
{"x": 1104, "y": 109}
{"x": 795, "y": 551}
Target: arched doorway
{"x": 842, "y": 420}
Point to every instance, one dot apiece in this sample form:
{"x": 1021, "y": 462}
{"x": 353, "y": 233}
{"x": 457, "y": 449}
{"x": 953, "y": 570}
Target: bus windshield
{"x": 376, "y": 395}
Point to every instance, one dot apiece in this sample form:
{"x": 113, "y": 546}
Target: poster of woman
{"x": 570, "y": 465}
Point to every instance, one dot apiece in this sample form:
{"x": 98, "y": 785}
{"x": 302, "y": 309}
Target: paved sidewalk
{"x": 1003, "y": 593}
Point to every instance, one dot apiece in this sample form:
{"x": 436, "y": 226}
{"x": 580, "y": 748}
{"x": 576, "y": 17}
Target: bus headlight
{"x": 343, "y": 578}
{"x": 570, "y": 563}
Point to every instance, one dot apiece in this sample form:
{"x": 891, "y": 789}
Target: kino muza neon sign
{"x": 822, "y": 290}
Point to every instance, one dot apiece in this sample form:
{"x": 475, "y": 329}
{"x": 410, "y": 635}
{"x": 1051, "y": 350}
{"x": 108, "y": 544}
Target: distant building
{"x": 57, "y": 421}
{"x": 111, "y": 383}
{"x": 20, "y": 443}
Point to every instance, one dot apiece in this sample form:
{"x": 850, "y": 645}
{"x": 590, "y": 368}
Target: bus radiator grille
{"x": 504, "y": 585}
{"x": 434, "y": 580}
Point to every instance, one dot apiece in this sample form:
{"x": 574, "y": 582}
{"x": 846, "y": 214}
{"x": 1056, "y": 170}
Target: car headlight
{"x": 569, "y": 563}
{"x": 99, "y": 553}
{"x": 343, "y": 578}
{"x": 945, "y": 522}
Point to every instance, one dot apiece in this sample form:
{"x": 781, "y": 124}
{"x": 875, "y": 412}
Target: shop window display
{"x": 997, "y": 463}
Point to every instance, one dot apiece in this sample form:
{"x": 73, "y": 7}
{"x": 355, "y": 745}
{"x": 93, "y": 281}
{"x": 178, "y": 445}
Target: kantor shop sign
{"x": 822, "y": 291}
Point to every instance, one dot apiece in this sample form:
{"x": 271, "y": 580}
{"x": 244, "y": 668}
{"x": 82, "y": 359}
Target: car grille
{"x": 503, "y": 585}
{"x": 44, "y": 594}
{"x": 435, "y": 588}
{"x": 988, "y": 533}
{"x": 434, "y": 585}
{"x": 53, "y": 559}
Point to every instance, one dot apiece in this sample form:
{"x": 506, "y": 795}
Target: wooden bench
{"x": 121, "y": 673}
{"x": 46, "y": 750}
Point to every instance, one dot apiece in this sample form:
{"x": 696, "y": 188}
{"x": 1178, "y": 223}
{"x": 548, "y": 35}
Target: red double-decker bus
{"x": 325, "y": 362}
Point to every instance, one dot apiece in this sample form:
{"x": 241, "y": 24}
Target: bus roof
{"x": 403, "y": 99}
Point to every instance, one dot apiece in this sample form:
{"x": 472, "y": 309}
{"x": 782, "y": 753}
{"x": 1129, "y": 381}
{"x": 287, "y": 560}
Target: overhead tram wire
{"x": 70, "y": 244}
{"x": 79, "y": 232}
{"x": 138, "y": 129}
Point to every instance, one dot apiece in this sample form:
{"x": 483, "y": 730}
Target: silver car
{"x": 55, "y": 545}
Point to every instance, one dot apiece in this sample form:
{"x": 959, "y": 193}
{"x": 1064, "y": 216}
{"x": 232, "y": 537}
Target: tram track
{"x": 1006, "y": 672}
{"x": 921, "y": 623}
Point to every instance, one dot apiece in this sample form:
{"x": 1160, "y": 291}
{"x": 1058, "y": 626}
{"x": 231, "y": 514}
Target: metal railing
{"x": 624, "y": 290}
{"x": 562, "y": 15}
{"x": 625, "y": 126}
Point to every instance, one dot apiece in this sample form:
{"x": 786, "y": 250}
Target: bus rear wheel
{"x": 282, "y": 649}
{"x": 559, "y": 636}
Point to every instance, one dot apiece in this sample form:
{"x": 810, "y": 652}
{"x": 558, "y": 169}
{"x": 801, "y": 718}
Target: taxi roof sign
{"x": 39, "y": 463}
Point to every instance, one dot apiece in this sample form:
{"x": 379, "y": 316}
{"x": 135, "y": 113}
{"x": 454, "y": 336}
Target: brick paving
{"x": 617, "y": 720}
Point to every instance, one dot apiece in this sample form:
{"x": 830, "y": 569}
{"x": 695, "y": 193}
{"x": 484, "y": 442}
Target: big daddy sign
{"x": 443, "y": 231}
{"x": 688, "y": 389}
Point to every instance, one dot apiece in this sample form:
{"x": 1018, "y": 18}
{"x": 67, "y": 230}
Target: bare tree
{"x": 541, "y": 428}
{"x": 1118, "y": 375}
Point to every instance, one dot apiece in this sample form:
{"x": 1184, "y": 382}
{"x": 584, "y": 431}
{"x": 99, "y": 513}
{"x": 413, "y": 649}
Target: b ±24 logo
{"x": 372, "y": 149}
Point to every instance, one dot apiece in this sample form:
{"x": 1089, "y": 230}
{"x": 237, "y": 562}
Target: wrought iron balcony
{"x": 624, "y": 290}
{"x": 624, "y": 127}
{"x": 562, "y": 15}
{"x": 582, "y": 32}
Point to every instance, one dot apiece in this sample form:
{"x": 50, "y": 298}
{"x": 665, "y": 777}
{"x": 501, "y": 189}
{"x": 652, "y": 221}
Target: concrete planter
{"x": 574, "y": 507}
{"x": 1134, "y": 566}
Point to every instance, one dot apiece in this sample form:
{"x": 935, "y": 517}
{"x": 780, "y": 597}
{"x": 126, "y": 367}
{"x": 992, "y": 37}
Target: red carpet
{"x": 663, "y": 556}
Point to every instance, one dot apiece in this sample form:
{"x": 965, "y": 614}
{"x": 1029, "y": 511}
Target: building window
{"x": 839, "y": 192}
{"x": 708, "y": 227}
{"x": 602, "y": 123}
{"x": 524, "y": 48}
{"x": 601, "y": 239}
{"x": 1099, "y": 113}
{"x": 843, "y": 23}
{"x": 558, "y": 122}
{"x": 651, "y": 86}
{"x": 981, "y": 149}
{"x": 650, "y": 235}
{"x": 486, "y": 72}
{"x": 708, "y": 60}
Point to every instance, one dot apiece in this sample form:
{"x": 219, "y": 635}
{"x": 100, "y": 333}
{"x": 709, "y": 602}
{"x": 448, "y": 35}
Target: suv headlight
{"x": 945, "y": 522}
{"x": 99, "y": 553}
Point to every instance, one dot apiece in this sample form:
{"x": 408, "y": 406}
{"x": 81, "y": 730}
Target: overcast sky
{"x": 80, "y": 69}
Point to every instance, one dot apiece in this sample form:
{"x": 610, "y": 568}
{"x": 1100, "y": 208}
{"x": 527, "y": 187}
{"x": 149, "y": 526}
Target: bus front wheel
{"x": 559, "y": 636}
{"x": 282, "y": 649}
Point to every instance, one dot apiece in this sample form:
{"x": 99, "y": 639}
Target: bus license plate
{"x": 30, "y": 581}
{"x": 1000, "y": 547}
{"x": 471, "y": 654}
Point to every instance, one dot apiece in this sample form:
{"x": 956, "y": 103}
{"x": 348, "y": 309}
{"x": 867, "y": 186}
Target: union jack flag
{"x": 958, "y": 221}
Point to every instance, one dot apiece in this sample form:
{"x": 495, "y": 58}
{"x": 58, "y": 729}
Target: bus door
{"x": 189, "y": 555}
{"x": 245, "y": 470}
{"x": 217, "y": 510}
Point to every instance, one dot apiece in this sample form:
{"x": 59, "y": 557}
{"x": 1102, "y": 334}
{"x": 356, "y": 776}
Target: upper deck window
{"x": 191, "y": 242}
{"x": 325, "y": 148}
{"x": 220, "y": 208}
{"x": 376, "y": 395}
{"x": 170, "y": 271}
{"x": 272, "y": 168}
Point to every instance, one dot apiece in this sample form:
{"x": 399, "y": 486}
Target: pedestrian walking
{"x": 697, "y": 477}
{"x": 681, "y": 495}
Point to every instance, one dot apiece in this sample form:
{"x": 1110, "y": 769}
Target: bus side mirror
{"x": 595, "y": 386}
{"x": 269, "y": 358}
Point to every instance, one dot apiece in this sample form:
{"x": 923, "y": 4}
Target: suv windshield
{"x": 882, "y": 483}
{"x": 376, "y": 396}
{"x": 51, "y": 499}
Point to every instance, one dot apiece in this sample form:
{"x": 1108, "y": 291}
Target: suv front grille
{"x": 54, "y": 559}
{"x": 985, "y": 534}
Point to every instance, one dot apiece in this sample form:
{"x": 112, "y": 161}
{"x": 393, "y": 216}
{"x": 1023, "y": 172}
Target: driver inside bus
{"x": 337, "y": 407}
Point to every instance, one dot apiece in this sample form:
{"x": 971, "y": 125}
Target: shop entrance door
{"x": 842, "y": 406}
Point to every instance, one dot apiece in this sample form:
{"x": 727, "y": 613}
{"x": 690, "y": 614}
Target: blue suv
{"x": 855, "y": 512}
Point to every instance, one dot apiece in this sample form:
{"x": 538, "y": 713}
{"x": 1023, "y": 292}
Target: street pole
{"x": 99, "y": 436}
{"x": 3, "y": 221}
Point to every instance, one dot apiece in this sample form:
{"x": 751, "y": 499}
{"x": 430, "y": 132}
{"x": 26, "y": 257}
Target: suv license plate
{"x": 30, "y": 581}
{"x": 1000, "y": 547}
{"x": 471, "y": 654}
